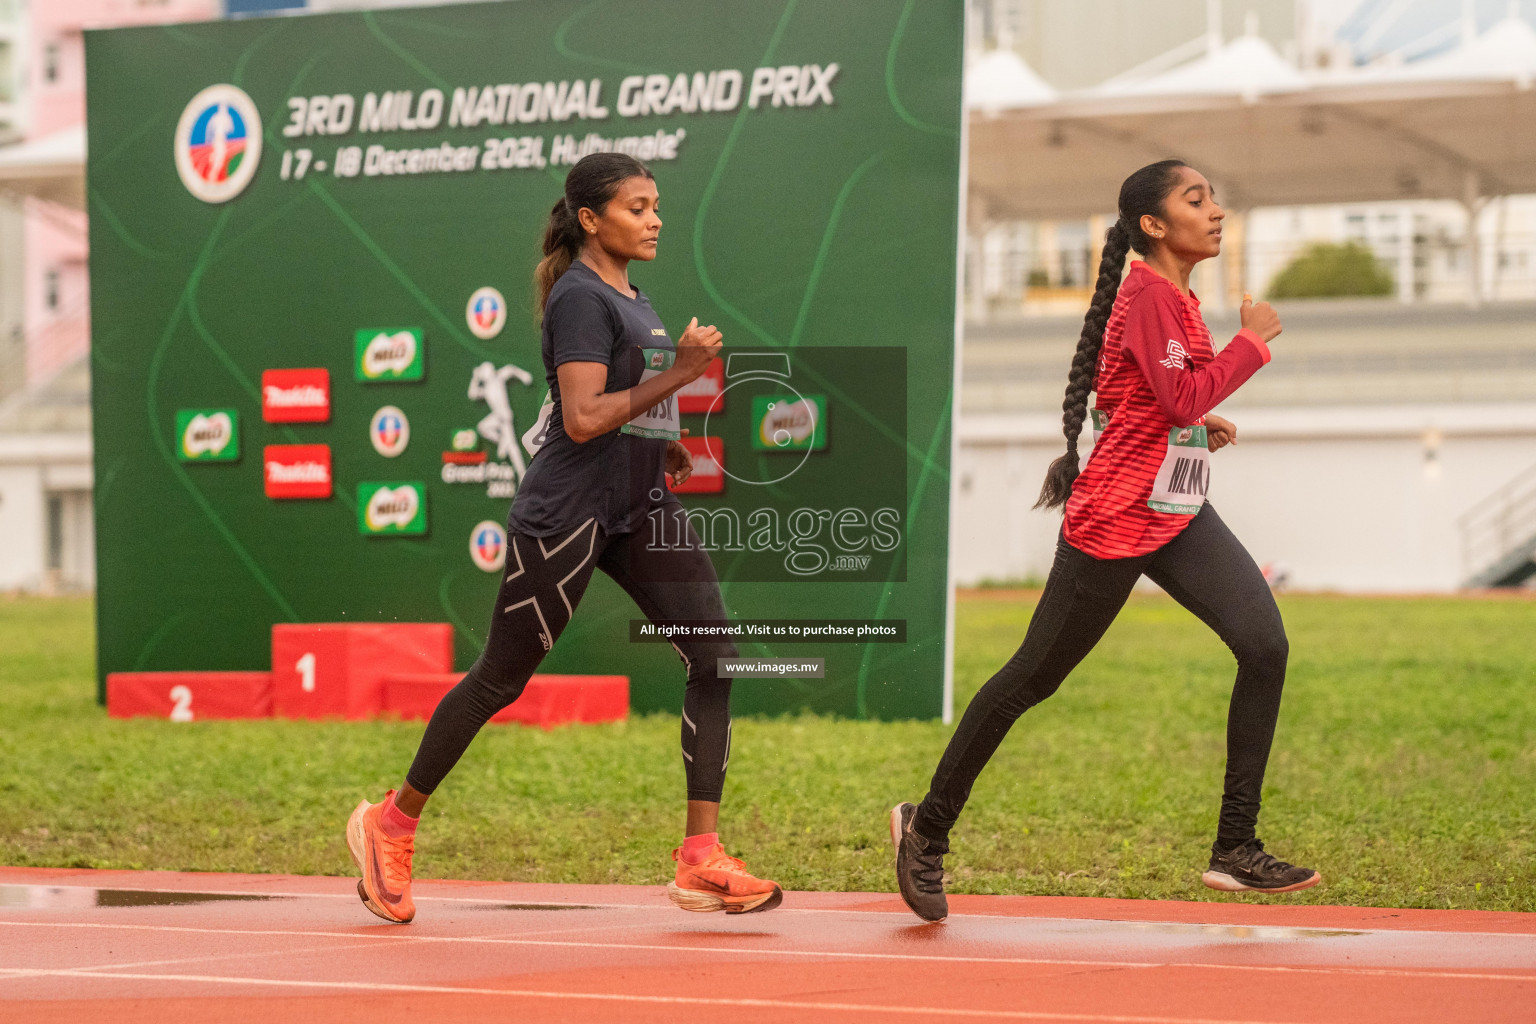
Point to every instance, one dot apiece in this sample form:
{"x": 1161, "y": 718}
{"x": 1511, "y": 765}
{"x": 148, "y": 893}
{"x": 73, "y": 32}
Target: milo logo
{"x": 208, "y": 435}
{"x": 391, "y": 508}
{"x": 389, "y": 354}
{"x": 1187, "y": 437}
{"x": 788, "y": 424}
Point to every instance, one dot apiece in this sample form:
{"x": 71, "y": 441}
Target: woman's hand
{"x": 695, "y": 350}
{"x": 1219, "y": 432}
{"x": 679, "y": 463}
{"x": 1260, "y": 318}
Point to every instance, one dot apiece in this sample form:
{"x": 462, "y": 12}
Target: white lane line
{"x": 400, "y": 936}
{"x": 285, "y": 951}
{"x": 946, "y": 1012}
{"x": 895, "y": 912}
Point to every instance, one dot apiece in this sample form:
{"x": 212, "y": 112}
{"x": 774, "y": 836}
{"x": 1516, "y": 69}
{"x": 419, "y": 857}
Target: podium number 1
{"x": 306, "y": 667}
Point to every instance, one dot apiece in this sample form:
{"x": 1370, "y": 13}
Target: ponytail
{"x": 1142, "y": 193}
{"x": 589, "y": 185}
{"x": 1085, "y": 366}
{"x": 562, "y": 244}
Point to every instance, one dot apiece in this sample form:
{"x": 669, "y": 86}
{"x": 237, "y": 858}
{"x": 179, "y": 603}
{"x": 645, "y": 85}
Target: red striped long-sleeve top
{"x": 1157, "y": 370}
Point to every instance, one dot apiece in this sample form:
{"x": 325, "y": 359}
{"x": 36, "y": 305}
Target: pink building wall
{"x": 56, "y": 304}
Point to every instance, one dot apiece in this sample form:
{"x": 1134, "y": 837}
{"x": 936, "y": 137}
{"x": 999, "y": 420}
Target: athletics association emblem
{"x": 390, "y": 431}
{"x": 218, "y": 143}
{"x": 488, "y": 546}
{"x": 486, "y": 313}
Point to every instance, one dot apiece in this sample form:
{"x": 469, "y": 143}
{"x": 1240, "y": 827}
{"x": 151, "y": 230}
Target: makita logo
{"x": 704, "y": 393}
{"x": 298, "y": 470}
{"x": 306, "y": 397}
{"x": 296, "y": 396}
{"x": 708, "y": 476}
{"x": 299, "y": 473}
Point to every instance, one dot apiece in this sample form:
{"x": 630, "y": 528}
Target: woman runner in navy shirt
{"x": 604, "y": 439}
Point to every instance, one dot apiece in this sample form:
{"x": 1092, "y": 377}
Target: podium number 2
{"x": 306, "y": 667}
{"x": 181, "y": 704}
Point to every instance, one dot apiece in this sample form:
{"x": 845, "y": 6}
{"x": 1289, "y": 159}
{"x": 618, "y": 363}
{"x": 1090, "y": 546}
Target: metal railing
{"x": 1501, "y": 525}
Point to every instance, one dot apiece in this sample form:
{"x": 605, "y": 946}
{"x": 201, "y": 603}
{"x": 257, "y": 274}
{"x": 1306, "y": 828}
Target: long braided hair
{"x": 1144, "y": 192}
{"x": 591, "y": 184}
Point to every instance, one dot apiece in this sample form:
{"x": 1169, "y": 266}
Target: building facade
{"x": 45, "y": 451}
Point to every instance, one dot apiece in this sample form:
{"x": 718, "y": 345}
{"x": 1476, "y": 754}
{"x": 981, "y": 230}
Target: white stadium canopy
{"x": 1000, "y": 80}
{"x": 1461, "y": 126}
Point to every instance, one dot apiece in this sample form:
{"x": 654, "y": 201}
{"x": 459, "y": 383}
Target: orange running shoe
{"x": 721, "y": 882}
{"x": 384, "y": 861}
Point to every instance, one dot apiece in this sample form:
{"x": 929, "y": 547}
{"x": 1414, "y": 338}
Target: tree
{"x": 1326, "y": 270}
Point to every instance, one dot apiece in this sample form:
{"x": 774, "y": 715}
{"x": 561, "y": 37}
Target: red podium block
{"x": 325, "y": 669}
{"x": 547, "y": 701}
{"x": 189, "y": 696}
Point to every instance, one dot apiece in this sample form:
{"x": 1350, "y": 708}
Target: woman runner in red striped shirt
{"x": 1138, "y": 508}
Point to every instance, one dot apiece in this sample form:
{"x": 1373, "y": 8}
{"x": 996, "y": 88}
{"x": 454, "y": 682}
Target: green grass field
{"x": 1404, "y": 769}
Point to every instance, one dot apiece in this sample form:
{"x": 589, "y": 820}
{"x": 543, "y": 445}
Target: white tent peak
{"x": 1506, "y": 50}
{"x": 1001, "y": 80}
{"x": 1247, "y": 67}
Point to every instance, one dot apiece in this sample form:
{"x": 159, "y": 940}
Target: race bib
{"x": 537, "y": 434}
{"x": 660, "y": 420}
{"x": 1185, "y": 474}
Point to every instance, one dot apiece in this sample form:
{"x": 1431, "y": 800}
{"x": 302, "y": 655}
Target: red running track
{"x": 126, "y": 946}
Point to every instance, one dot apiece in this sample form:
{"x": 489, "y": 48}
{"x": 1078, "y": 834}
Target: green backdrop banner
{"x": 315, "y": 358}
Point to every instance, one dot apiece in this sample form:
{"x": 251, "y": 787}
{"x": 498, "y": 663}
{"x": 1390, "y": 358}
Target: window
{"x": 55, "y": 532}
{"x": 51, "y": 290}
{"x": 51, "y": 63}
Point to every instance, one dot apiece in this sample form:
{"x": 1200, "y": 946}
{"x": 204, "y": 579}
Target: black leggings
{"x": 545, "y": 579}
{"x": 1206, "y": 570}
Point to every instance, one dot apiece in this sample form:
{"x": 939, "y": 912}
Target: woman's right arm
{"x": 588, "y": 410}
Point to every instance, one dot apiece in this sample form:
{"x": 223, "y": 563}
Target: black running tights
{"x": 1206, "y": 570}
{"x": 545, "y": 579}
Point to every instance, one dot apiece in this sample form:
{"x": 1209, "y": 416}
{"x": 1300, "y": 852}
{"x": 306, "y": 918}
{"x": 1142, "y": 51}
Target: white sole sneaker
{"x": 708, "y": 903}
{"x": 1226, "y": 883}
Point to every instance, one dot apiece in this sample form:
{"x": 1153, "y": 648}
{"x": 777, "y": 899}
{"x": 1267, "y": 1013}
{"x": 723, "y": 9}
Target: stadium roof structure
{"x": 1506, "y": 51}
{"x": 1456, "y": 127}
{"x": 51, "y": 168}
{"x": 1247, "y": 66}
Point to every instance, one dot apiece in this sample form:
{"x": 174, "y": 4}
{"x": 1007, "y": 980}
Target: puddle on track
{"x": 1233, "y": 931}
{"x": 74, "y": 897}
{"x": 534, "y": 906}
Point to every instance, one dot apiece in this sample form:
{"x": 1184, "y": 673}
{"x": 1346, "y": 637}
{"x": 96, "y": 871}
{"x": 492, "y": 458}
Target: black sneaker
{"x": 1249, "y": 869}
{"x": 919, "y": 870}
